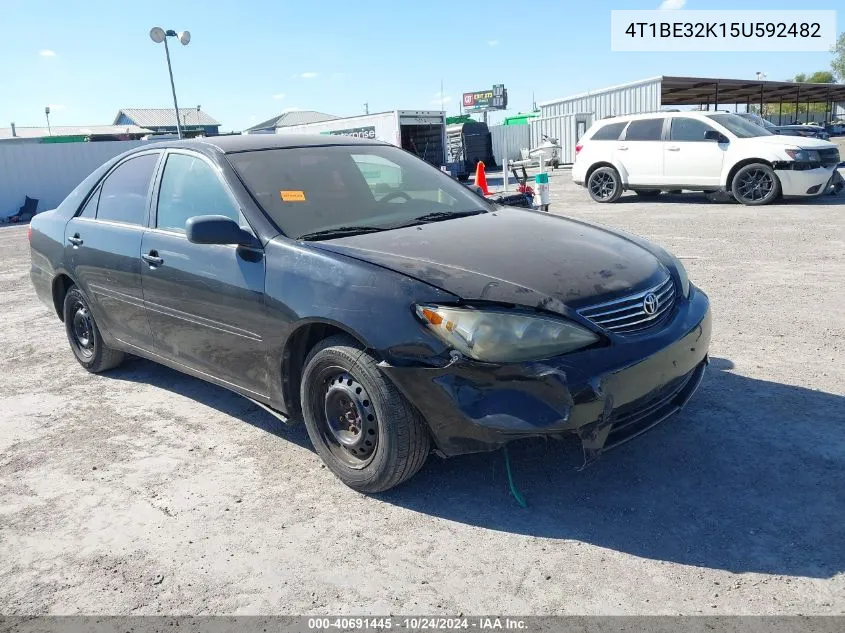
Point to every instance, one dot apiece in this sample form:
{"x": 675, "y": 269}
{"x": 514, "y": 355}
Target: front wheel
{"x": 84, "y": 335}
{"x": 755, "y": 184}
{"x": 605, "y": 185}
{"x": 362, "y": 427}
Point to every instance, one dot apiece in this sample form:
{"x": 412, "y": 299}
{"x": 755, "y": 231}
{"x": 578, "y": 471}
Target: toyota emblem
{"x": 650, "y": 303}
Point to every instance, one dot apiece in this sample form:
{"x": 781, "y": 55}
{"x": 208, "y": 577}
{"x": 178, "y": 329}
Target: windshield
{"x": 756, "y": 118}
{"x": 308, "y": 190}
{"x": 740, "y": 127}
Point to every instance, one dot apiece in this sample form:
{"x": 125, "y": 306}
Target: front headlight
{"x": 503, "y": 337}
{"x": 682, "y": 274}
{"x": 804, "y": 155}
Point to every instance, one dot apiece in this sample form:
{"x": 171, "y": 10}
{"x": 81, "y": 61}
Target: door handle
{"x": 622, "y": 147}
{"x": 75, "y": 239}
{"x": 152, "y": 259}
{"x": 674, "y": 148}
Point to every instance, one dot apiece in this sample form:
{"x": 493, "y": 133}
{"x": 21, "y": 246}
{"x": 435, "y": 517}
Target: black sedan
{"x": 348, "y": 284}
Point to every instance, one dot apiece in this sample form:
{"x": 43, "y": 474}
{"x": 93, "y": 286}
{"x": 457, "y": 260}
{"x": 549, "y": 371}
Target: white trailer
{"x": 421, "y": 132}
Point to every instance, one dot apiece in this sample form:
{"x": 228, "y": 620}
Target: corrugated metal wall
{"x": 49, "y": 171}
{"x": 632, "y": 99}
{"x": 567, "y": 129}
{"x": 508, "y": 140}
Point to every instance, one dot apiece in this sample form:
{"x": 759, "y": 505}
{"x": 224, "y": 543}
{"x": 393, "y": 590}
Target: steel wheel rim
{"x": 82, "y": 329}
{"x": 602, "y": 185}
{"x": 755, "y": 184}
{"x": 347, "y": 420}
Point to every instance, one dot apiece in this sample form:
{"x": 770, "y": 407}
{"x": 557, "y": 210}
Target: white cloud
{"x": 441, "y": 98}
{"x": 492, "y": 42}
{"x": 309, "y": 75}
{"x": 668, "y": 5}
{"x": 278, "y": 96}
{"x": 47, "y": 53}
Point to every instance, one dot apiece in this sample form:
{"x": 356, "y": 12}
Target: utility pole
{"x": 366, "y": 108}
{"x": 47, "y": 114}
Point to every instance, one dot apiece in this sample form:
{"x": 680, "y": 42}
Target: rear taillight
{"x": 578, "y": 148}
{"x": 29, "y": 232}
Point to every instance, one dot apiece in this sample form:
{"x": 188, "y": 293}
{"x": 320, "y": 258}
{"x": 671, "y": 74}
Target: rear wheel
{"x": 755, "y": 184}
{"x": 605, "y": 185}
{"x": 84, "y": 335}
{"x": 362, "y": 427}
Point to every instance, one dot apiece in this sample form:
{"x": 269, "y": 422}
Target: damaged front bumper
{"x": 803, "y": 179}
{"x": 604, "y": 395}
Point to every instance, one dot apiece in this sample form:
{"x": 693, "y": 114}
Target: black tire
{"x": 605, "y": 185}
{"x": 648, "y": 193}
{"x": 382, "y": 440}
{"x": 755, "y": 184}
{"x": 84, "y": 336}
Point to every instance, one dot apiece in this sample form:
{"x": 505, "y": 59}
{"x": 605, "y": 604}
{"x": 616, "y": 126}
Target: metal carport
{"x": 676, "y": 91}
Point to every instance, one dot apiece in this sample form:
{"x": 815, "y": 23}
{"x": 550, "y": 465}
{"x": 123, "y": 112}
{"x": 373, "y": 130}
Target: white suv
{"x": 700, "y": 151}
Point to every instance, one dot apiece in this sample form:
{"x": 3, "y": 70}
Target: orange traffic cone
{"x": 481, "y": 178}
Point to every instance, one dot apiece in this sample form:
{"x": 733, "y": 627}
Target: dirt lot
{"x": 144, "y": 491}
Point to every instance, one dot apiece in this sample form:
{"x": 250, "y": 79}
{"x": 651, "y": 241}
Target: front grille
{"x": 628, "y": 314}
{"x": 829, "y": 157}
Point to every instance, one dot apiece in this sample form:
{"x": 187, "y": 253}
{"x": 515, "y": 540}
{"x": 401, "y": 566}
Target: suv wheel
{"x": 755, "y": 184}
{"x": 605, "y": 185}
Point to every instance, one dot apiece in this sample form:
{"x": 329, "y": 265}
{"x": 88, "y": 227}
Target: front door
{"x": 205, "y": 302}
{"x": 640, "y": 152}
{"x": 691, "y": 159}
{"x": 103, "y": 249}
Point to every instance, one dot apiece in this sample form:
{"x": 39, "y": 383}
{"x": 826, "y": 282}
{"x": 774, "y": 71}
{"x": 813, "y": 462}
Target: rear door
{"x": 205, "y": 302}
{"x": 691, "y": 159}
{"x": 103, "y": 248}
{"x": 640, "y": 151}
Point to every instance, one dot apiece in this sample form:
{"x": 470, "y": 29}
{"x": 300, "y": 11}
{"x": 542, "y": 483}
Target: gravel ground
{"x": 144, "y": 491}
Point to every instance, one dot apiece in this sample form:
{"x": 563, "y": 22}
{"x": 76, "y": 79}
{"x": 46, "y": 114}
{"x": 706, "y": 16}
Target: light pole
{"x": 47, "y": 114}
{"x": 159, "y": 35}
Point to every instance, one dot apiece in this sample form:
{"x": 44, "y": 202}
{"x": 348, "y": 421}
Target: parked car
{"x": 812, "y": 130}
{"x": 700, "y": 151}
{"x": 346, "y": 283}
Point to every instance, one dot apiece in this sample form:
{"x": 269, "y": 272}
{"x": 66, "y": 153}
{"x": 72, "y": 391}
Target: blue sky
{"x": 251, "y": 59}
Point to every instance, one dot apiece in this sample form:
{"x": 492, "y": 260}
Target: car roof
{"x": 251, "y": 142}
{"x": 661, "y": 114}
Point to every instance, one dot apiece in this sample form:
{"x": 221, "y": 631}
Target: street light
{"x": 47, "y": 114}
{"x": 159, "y": 35}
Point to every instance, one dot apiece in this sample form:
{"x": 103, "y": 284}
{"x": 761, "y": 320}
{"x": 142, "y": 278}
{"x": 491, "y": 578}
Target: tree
{"x": 800, "y": 78}
{"x": 821, "y": 77}
{"x": 838, "y": 63}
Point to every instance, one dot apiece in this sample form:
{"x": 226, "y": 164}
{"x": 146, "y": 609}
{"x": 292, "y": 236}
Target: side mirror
{"x": 713, "y": 135}
{"x": 217, "y": 229}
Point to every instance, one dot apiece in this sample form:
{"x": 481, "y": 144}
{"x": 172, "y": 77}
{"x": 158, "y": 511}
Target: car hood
{"x": 512, "y": 256}
{"x": 806, "y": 142}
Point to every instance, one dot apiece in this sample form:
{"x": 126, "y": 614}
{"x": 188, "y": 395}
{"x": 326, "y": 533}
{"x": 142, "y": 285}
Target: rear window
{"x": 645, "y": 130}
{"x": 609, "y": 132}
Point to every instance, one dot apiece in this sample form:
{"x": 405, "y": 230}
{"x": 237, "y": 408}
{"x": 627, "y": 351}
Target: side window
{"x": 688, "y": 130}
{"x": 609, "y": 132}
{"x": 190, "y": 187}
{"x": 90, "y": 208}
{"x": 645, "y": 130}
{"x": 123, "y": 196}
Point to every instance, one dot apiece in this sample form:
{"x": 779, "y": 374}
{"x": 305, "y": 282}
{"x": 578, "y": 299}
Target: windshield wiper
{"x": 340, "y": 231}
{"x": 438, "y": 216}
